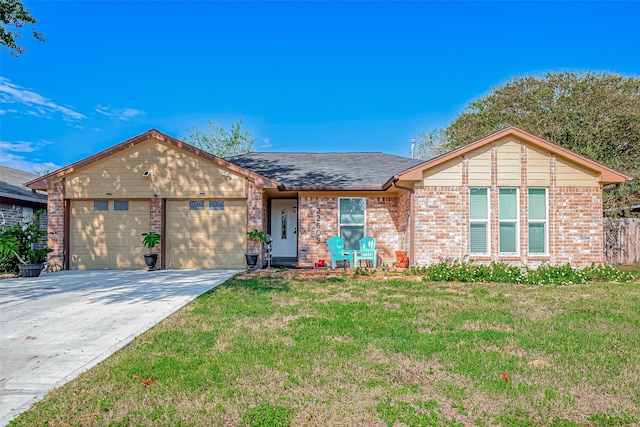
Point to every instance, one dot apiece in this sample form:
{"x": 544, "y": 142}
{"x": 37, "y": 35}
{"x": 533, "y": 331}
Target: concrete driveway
{"x": 58, "y": 325}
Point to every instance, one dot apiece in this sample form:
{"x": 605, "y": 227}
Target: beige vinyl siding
{"x": 107, "y": 239}
{"x": 206, "y": 238}
{"x": 537, "y": 167}
{"x": 479, "y": 163}
{"x": 569, "y": 174}
{"x": 446, "y": 174}
{"x": 509, "y": 158}
{"x": 178, "y": 174}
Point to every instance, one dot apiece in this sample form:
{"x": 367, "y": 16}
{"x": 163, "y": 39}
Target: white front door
{"x": 284, "y": 227}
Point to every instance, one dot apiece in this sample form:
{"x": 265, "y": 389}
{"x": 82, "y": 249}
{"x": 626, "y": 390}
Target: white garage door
{"x": 206, "y": 233}
{"x": 106, "y": 234}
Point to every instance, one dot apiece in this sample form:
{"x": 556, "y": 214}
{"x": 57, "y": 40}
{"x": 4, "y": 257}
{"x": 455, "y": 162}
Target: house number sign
{"x": 318, "y": 231}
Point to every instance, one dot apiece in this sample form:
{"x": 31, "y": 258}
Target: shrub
{"x": 466, "y": 271}
{"x": 22, "y": 239}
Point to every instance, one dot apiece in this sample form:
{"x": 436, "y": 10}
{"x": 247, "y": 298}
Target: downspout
{"x": 411, "y": 218}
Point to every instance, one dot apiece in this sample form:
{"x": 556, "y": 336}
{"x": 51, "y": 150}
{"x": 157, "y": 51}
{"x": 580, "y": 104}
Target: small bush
{"x": 467, "y": 271}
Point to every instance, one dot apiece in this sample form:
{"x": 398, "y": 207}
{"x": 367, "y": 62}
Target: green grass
{"x": 271, "y": 352}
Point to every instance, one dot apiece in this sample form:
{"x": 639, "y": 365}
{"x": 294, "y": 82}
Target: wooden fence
{"x": 621, "y": 241}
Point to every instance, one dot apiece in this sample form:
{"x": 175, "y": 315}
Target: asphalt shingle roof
{"x": 318, "y": 170}
{"x": 12, "y": 185}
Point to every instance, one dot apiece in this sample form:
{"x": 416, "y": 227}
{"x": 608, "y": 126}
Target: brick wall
{"x": 255, "y": 214}
{"x": 384, "y": 223}
{"x": 440, "y": 224}
{"x": 576, "y": 233}
{"x": 574, "y": 222}
{"x": 55, "y": 210}
{"x": 156, "y": 207}
{"x": 318, "y": 221}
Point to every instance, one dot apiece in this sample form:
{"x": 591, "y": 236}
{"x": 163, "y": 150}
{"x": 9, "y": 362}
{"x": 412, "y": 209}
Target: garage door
{"x": 106, "y": 234}
{"x": 206, "y": 233}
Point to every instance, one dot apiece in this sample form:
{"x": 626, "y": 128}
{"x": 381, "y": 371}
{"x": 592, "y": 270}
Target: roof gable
{"x": 43, "y": 183}
{"x": 607, "y": 175}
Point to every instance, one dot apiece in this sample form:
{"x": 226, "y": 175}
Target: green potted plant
{"x": 150, "y": 240}
{"x": 19, "y": 251}
{"x": 257, "y": 236}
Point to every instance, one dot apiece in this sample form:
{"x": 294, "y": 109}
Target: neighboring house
{"x": 509, "y": 197}
{"x": 17, "y": 200}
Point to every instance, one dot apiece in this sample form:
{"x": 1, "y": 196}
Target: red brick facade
{"x": 441, "y": 225}
{"x": 255, "y": 214}
{"x": 317, "y": 221}
{"x": 56, "y": 213}
{"x": 156, "y": 224}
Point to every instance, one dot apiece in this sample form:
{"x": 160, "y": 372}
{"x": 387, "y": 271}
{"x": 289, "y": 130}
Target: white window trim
{"x": 513, "y": 221}
{"x": 485, "y": 221}
{"x": 364, "y": 216}
{"x": 544, "y": 221}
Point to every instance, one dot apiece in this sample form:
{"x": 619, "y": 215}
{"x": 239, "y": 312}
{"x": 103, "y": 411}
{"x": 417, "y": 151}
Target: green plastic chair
{"x": 367, "y": 251}
{"x": 337, "y": 251}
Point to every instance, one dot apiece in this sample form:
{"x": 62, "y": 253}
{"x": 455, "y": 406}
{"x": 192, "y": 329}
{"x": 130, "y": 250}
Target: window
{"x": 479, "y": 220}
{"x": 120, "y": 205}
{"x": 351, "y": 221}
{"x": 196, "y": 205}
{"x": 100, "y": 205}
{"x": 537, "y": 220}
{"x": 508, "y": 219}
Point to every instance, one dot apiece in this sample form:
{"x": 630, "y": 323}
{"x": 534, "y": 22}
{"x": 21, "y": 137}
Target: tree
{"x": 431, "y": 143}
{"x": 216, "y": 140}
{"x": 596, "y": 115}
{"x": 13, "y": 16}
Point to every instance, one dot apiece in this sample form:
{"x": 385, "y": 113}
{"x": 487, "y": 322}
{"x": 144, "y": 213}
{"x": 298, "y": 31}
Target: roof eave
{"x": 377, "y": 187}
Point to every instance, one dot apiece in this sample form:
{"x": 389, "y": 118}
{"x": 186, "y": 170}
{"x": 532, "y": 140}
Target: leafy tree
{"x": 13, "y": 16}
{"x": 596, "y": 115}
{"x": 216, "y": 140}
{"x": 431, "y": 143}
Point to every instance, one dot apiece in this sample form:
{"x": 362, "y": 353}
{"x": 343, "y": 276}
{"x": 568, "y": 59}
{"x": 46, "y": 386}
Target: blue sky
{"x": 303, "y": 76}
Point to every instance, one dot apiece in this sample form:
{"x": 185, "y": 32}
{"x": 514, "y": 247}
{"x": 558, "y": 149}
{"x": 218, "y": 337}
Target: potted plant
{"x": 150, "y": 240}
{"x": 252, "y": 257}
{"x": 19, "y": 251}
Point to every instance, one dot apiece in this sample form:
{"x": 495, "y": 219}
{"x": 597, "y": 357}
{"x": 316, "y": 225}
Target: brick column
{"x": 55, "y": 213}
{"x": 254, "y": 214}
{"x": 156, "y": 224}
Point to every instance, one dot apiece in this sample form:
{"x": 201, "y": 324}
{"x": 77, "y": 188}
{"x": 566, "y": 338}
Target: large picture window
{"x": 479, "y": 220}
{"x": 538, "y": 221}
{"x": 351, "y": 220}
{"x": 508, "y": 220}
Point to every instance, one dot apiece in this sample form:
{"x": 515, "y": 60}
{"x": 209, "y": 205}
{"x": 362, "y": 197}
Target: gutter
{"x": 411, "y": 218}
{"x": 284, "y": 187}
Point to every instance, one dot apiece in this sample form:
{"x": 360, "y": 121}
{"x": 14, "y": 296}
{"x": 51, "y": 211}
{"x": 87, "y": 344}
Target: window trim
{"x": 485, "y": 221}
{"x": 545, "y": 221}
{"x": 515, "y": 221}
{"x": 364, "y": 216}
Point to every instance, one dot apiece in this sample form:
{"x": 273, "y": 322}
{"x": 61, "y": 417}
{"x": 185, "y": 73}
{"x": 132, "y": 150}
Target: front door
{"x": 284, "y": 227}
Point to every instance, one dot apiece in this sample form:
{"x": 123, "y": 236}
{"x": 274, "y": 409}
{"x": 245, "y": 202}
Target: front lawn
{"x": 276, "y": 352}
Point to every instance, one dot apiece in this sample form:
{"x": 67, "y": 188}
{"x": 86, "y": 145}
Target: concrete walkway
{"x": 58, "y": 325}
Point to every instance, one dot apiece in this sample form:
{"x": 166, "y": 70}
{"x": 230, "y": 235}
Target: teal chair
{"x": 337, "y": 251}
{"x": 367, "y": 251}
